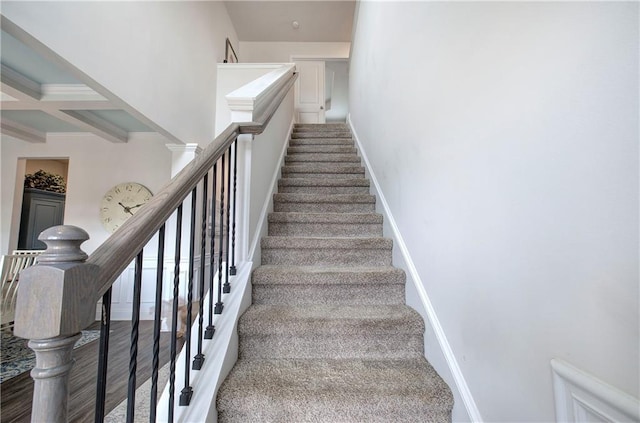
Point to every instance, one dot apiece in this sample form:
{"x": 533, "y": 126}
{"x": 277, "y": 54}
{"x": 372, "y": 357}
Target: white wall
{"x": 281, "y": 52}
{"x": 504, "y": 137}
{"x": 158, "y": 57}
{"x": 266, "y": 159}
{"x": 95, "y": 165}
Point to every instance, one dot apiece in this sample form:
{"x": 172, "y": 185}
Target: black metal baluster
{"x": 198, "y": 360}
{"x": 187, "y": 391}
{"x": 212, "y": 260}
{"x": 133, "y": 349}
{"x": 232, "y": 269}
{"x": 218, "y": 311}
{"x": 227, "y": 287}
{"x": 156, "y": 326}
{"x": 174, "y": 315}
{"x": 105, "y": 325}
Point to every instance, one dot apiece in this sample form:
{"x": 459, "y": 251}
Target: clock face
{"x": 121, "y": 202}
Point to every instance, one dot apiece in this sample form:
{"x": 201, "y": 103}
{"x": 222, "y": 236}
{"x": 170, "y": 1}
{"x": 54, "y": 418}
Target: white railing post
{"x": 56, "y": 300}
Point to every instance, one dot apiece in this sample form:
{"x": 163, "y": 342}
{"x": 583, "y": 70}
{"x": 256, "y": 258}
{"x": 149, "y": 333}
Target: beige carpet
{"x": 329, "y": 337}
{"x": 143, "y": 398}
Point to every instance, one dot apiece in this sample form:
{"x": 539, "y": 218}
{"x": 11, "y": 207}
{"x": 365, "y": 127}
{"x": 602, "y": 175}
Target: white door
{"x": 309, "y": 91}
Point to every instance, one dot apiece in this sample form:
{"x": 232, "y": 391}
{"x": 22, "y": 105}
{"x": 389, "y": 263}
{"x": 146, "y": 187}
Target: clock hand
{"x": 126, "y": 209}
{"x": 137, "y": 205}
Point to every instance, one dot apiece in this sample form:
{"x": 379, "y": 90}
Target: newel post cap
{"x": 57, "y": 296}
{"x": 63, "y": 244}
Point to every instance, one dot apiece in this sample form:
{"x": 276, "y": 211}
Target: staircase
{"x": 328, "y": 337}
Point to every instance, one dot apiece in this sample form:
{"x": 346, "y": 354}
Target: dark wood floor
{"x": 16, "y": 393}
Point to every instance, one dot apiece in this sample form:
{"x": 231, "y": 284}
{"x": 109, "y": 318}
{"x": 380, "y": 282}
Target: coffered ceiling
{"x": 39, "y": 97}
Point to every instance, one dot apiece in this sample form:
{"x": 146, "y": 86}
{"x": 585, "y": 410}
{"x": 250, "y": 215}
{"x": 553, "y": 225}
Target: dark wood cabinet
{"x": 40, "y": 210}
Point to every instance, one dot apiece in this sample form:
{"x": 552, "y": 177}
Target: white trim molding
{"x": 21, "y": 132}
{"x": 581, "y": 397}
{"x": 255, "y": 95}
{"x": 69, "y": 92}
{"x": 413, "y": 275}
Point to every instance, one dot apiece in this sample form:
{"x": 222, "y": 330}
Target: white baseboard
{"x": 221, "y": 353}
{"x": 414, "y": 276}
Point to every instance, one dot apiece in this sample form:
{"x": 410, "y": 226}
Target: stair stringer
{"x": 442, "y": 358}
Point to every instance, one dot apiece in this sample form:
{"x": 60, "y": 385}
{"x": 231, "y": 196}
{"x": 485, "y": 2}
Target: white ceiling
{"x": 266, "y": 20}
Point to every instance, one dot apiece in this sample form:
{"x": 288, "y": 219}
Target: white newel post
{"x": 181, "y": 155}
{"x": 243, "y": 194}
{"x": 56, "y": 300}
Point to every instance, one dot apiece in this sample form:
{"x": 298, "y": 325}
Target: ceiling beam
{"x": 60, "y": 105}
{"x": 91, "y": 123}
{"x": 69, "y": 103}
{"x": 69, "y": 92}
{"x": 17, "y": 130}
{"x": 19, "y": 86}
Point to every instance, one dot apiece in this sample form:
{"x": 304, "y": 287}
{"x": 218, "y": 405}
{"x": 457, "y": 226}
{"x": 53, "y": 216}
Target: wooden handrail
{"x": 115, "y": 254}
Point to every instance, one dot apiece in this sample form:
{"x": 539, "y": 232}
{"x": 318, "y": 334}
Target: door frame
{"x": 313, "y": 57}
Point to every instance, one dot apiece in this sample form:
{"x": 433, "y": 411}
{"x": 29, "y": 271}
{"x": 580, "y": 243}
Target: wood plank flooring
{"x": 16, "y": 393}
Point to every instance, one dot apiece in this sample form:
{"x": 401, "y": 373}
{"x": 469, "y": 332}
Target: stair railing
{"x": 57, "y": 298}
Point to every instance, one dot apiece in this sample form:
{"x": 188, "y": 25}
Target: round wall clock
{"x": 121, "y": 202}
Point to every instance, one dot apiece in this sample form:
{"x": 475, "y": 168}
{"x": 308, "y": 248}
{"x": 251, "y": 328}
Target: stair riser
{"x": 389, "y": 346}
{"x": 326, "y": 256}
{"x": 370, "y": 294}
{"x": 322, "y": 190}
{"x": 324, "y": 207}
{"x": 325, "y": 128}
{"x": 373, "y": 411}
{"x": 325, "y": 229}
{"x": 320, "y": 134}
{"x": 308, "y": 142}
{"x": 322, "y": 158}
{"x": 321, "y": 125}
{"x": 325, "y": 175}
{"x": 324, "y": 168}
{"x": 322, "y": 149}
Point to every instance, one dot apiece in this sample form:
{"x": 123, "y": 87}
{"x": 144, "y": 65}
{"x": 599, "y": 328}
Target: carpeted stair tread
{"x": 301, "y": 142}
{"x": 325, "y": 224}
{"x": 321, "y": 127}
{"x": 334, "y": 391}
{"x": 321, "y": 158}
{"x": 323, "y": 168}
{"x": 324, "y": 203}
{"x": 322, "y": 320}
{"x": 326, "y": 251}
{"x": 321, "y": 134}
{"x": 331, "y": 198}
{"x": 314, "y": 243}
{"x": 322, "y": 149}
{"x": 293, "y": 217}
{"x": 327, "y": 275}
{"x": 343, "y": 331}
{"x": 313, "y": 182}
{"x": 300, "y": 285}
